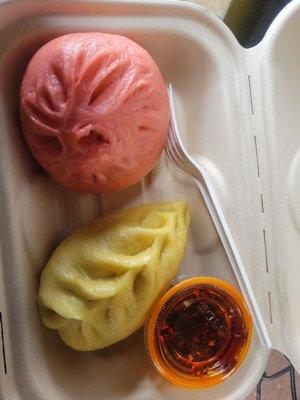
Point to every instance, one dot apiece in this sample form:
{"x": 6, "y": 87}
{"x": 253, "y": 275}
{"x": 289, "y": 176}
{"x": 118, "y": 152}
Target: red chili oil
{"x": 202, "y": 332}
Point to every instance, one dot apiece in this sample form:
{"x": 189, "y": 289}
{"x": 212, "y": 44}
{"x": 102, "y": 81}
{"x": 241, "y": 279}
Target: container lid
{"x": 273, "y": 71}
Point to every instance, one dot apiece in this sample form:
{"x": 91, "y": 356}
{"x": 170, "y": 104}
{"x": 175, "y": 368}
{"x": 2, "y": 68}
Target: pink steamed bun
{"x": 94, "y": 111}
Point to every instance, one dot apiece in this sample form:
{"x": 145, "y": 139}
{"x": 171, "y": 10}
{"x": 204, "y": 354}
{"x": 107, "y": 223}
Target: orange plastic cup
{"x": 199, "y": 332}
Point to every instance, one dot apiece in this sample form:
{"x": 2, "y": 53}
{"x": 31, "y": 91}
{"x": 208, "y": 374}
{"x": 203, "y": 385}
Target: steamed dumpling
{"x": 94, "y": 111}
{"x": 101, "y": 281}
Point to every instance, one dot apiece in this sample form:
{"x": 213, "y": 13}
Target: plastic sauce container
{"x": 199, "y": 332}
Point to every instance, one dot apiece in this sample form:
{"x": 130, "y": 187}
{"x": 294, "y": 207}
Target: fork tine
{"x": 194, "y": 168}
{"x": 176, "y": 166}
{"x": 173, "y": 150}
{"x": 174, "y": 125}
{"x": 170, "y": 157}
{"x": 173, "y": 162}
{"x": 171, "y": 153}
{"x": 174, "y": 146}
{"x": 172, "y": 139}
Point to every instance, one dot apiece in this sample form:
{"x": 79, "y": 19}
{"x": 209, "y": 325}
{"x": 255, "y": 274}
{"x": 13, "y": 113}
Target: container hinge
{"x": 270, "y": 307}
{"x": 262, "y": 205}
{"x": 257, "y": 158}
{"x": 250, "y": 93}
{"x": 3, "y": 344}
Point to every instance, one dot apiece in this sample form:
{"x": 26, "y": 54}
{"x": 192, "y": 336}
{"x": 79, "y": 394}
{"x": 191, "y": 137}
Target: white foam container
{"x": 239, "y": 112}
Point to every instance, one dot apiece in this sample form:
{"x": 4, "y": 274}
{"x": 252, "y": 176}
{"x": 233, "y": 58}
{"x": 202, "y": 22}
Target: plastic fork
{"x": 184, "y": 163}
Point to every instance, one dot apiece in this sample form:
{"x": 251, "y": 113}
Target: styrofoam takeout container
{"x": 239, "y": 112}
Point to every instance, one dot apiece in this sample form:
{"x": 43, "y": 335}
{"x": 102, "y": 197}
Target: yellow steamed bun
{"x": 101, "y": 281}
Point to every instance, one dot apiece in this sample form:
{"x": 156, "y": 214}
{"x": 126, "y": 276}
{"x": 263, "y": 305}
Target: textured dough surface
{"x": 101, "y": 281}
{"x": 94, "y": 111}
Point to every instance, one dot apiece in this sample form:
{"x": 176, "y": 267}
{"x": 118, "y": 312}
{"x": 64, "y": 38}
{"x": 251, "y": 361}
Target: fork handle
{"x": 227, "y": 240}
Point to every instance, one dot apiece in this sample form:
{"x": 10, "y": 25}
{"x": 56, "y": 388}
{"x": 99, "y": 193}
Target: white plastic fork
{"x": 183, "y": 162}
